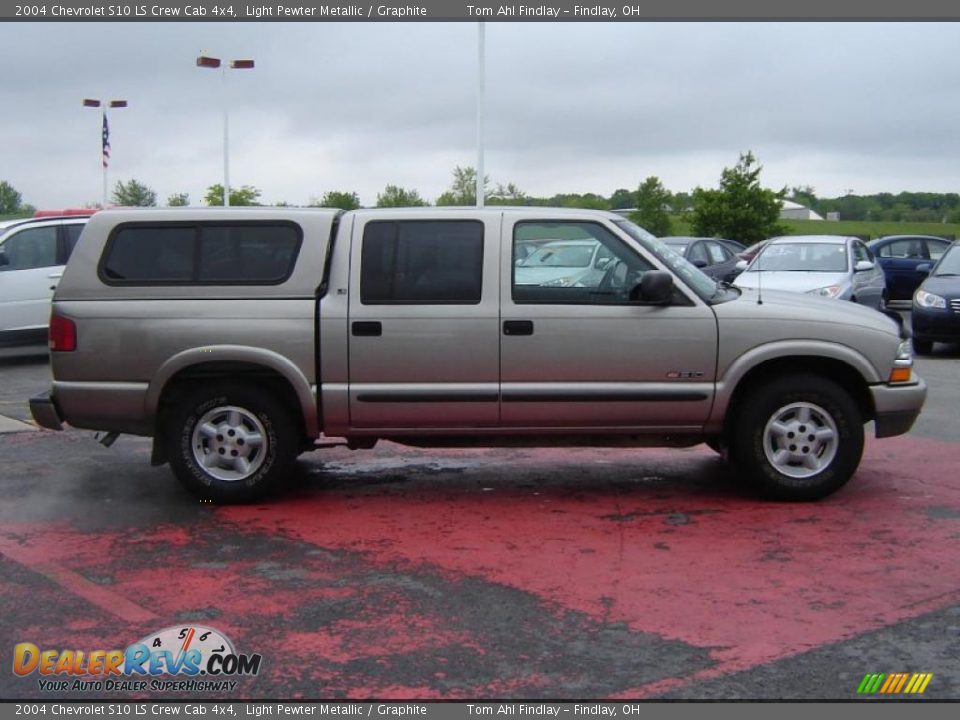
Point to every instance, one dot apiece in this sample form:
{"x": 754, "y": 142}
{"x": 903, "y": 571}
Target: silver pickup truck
{"x": 238, "y": 338}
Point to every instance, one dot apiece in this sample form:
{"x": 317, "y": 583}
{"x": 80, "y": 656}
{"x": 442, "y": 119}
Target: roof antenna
{"x": 759, "y": 278}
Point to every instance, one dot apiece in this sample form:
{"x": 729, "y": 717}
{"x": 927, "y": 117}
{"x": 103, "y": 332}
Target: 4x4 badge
{"x": 684, "y": 374}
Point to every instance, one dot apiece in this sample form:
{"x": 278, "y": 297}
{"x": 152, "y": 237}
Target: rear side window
{"x": 201, "y": 254}
{"x": 422, "y": 262}
{"x": 31, "y": 248}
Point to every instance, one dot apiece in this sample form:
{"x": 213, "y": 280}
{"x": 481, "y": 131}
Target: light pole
{"x": 205, "y": 61}
{"x": 481, "y": 91}
{"x": 104, "y": 134}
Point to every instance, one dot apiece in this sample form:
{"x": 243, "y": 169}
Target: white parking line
{"x": 9, "y": 425}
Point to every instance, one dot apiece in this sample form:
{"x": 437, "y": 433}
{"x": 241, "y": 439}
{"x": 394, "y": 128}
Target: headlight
{"x": 560, "y": 282}
{"x": 929, "y": 300}
{"x": 902, "y": 370}
{"x": 905, "y": 351}
{"x": 831, "y": 291}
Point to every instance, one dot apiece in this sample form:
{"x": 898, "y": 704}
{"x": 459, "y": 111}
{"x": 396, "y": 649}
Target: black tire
{"x": 823, "y": 419}
{"x": 922, "y": 347}
{"x": 244, "y": 413}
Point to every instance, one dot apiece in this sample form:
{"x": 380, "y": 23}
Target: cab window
{"x": 573, "y": 263}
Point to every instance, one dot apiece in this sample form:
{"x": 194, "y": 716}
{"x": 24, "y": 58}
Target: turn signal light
{"x": 900, "y": 375}
{"x": 63, "y": 334}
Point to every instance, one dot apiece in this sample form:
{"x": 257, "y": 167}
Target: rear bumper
{"x": 45, "y": 411}
{"x": 897, "y": 407}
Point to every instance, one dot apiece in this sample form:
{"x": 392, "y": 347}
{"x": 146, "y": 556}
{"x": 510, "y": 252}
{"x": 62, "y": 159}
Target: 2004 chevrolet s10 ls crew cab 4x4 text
{"x": 236, "y": 337}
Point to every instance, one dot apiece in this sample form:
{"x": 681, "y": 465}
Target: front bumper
{"x": 897, "y": 406}
{"x": 937, "y": 325}
{"x": 45, "y": 412}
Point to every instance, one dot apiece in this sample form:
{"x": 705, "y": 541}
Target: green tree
{"x": 246, "y": 195}
{"x": 337, "y": 199}
{"x": 508, "y": 194}
{"x": 178, "y": 200}
{"x": 652, "y": 203}
{"x": 585, "y": 201}
{"x": 622, "y": 199}
{"x": 10, "y": 199}
{"x": 396, "y": 196}
{"x": 133, "y": 194}
{"x": 463, "y": 190}
{"x": 741, "y": 209}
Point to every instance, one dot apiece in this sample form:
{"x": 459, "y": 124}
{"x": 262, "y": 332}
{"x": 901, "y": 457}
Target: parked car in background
{"x": 735, "y": 246}
{"x": 936, "y": 304}
{"x": 712, "y": 255}
{"x": 906, "y": 260}
{"x": 749, "y": 253}
{"x": 564, "y": 263}
{"x": 33, "y": 253}
{"x": 830, "y": 266}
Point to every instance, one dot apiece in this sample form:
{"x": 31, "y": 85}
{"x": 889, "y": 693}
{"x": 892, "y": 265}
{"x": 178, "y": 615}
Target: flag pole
{"x": 104, "y": 144}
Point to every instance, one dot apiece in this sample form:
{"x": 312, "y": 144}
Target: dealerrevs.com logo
{"x": 201, "y": 658}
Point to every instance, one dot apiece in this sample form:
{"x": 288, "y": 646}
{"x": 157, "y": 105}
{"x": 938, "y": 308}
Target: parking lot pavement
{"x": 398, "y": 573}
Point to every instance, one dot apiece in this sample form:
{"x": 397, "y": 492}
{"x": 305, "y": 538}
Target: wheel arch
{"x": 230, "y": 362}
{"x": 848, "y": 376}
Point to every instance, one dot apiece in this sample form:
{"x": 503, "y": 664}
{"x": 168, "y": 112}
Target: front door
{"x": 577, "y": 353}
{"x": 424, "y": 322}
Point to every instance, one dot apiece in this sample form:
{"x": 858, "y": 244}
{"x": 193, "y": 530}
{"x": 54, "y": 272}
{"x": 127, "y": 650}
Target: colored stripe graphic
{"x": 894, "y": 683}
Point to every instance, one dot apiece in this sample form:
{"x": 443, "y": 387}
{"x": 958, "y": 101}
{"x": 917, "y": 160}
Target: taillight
{"x": 63, "y": 334}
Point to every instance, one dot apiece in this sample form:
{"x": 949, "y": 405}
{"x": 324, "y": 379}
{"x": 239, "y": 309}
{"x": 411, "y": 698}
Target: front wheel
{"x": 231, "y": 442}
{"x": 799, "y": 437}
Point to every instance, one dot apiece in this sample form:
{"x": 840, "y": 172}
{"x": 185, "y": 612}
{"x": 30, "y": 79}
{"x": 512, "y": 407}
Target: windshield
{"x": 702, "y": 284}
{"x": 560, "y": 256}
{"x": 801, "y": 257}
{"x": 949, "y": 264}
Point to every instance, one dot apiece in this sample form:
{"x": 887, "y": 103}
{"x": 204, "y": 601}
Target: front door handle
{"x": 55, "y": 276}
{"x": 518, "y": 327}
{"x": 367, "y": 328}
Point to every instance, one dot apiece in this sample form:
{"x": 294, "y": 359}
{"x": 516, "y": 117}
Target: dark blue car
{"x": 936, "y": 305}
{"x": 906, "y": 260}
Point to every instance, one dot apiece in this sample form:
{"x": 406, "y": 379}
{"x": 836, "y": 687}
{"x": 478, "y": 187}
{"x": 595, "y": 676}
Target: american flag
{"x": 106, "y": 141}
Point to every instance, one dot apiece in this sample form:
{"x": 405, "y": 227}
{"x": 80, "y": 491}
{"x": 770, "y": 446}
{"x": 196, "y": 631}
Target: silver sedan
{"x": 829, "y": 266}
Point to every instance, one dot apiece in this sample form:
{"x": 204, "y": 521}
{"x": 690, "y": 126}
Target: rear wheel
{"x": 798, "y": 437}
{"x": 230, "y": 442}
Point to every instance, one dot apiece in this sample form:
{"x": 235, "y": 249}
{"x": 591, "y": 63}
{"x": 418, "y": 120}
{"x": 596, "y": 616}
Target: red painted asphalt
{"x": 357, "y": 567}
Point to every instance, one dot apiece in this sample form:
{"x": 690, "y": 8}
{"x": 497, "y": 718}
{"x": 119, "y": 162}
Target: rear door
{"x": 424, "y": 321}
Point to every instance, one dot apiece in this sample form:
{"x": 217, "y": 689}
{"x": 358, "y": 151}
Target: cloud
{"x": 569, "y": 107}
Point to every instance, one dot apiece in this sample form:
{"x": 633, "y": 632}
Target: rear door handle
{"x": 55, "y": 276}
{"x": 367, "y": 328}
{"x": 518, "y": 327}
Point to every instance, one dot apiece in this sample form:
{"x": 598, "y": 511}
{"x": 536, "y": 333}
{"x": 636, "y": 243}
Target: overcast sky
{"x": 570, "y": 107}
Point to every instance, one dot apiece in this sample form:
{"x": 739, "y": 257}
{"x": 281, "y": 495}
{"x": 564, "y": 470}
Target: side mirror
{"x": 700, "y": 263}
{"x": 741, "y": 265}
{"x": 925, "y": 268}
{"x": 863, "y": 265}
{"x": 654, "y": 288}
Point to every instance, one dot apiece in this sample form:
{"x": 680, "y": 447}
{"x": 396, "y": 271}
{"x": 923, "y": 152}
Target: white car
{"x": 829, "y": 266}
{"x": 33, "y": 253}
{"x": 564, "y": 263}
